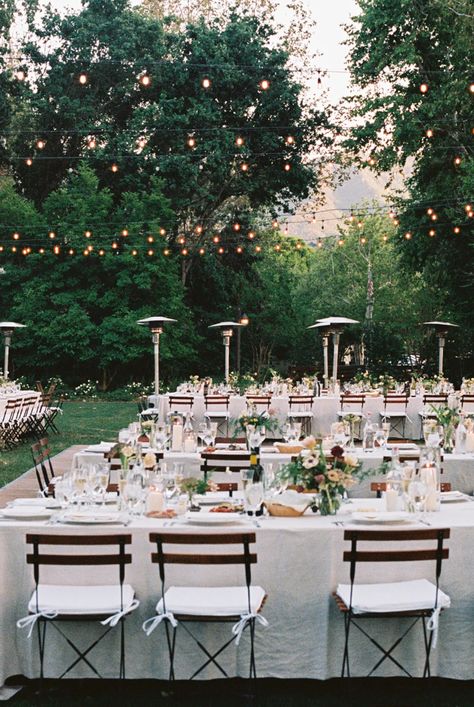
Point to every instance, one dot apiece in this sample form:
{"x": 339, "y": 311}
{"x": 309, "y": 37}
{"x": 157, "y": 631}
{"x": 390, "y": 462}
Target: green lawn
{"x": 80, "y": 423}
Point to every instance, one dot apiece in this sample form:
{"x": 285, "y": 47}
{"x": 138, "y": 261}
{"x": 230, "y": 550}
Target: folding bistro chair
{"x": 146, "y": 411}
{"x": 467, "y": 404}
{"x": 181, "y": 403}
{"x": 416, "y": 599}
{"x": 217, "y": 409}
{"x": 222, "y": 461}
{"x": 54, "y": 604}
{"x": 352, "y": 404}
{"x": 180, "y": 606}
{"x": 431, "y": 401}
{"x": 43, "y": 466}
{"x": 395, "y": 411}
{"x": 261, "y": 403}
{"x": 378, "y": 487}
{"x": 300, "y": 409}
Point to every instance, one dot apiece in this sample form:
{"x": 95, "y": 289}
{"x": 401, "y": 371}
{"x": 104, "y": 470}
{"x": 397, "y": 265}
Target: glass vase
{"x": 329, "y": 502}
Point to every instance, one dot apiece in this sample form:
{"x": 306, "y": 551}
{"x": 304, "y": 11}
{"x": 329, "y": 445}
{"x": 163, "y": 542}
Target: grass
{"x": 356, "y": 692}
{"x": 80, "y": 423}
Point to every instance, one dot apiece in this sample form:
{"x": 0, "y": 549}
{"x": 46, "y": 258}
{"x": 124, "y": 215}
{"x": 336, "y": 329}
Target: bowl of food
{"x": 283, "y": 448}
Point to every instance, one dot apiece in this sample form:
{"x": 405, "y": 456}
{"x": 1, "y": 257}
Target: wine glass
{"x": 380, "y": 438}
{"x": 161, "y": 437}
{"x": 103, "y": 481}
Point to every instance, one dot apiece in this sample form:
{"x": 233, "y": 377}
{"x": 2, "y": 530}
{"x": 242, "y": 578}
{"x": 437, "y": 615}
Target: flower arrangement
{"x": 251, "y": 418}
{"x": 126, "y": 453}
{"x": 386, "y": 382}
{"x": 311, "y": 471}
{"x": 192, "y": 486}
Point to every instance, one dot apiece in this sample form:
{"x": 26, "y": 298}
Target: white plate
{"x": 382, "y": 517}
{"x": 35, "y": 503}
{"x": 26, "y": 513}
{"x": 404, "y": 446}
{"x": 453, "y": 497}
{"x": 91, "y": 518}
{"x": 197, "y": 518}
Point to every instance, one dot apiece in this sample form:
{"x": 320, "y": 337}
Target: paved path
{"x": 26, "y": 485}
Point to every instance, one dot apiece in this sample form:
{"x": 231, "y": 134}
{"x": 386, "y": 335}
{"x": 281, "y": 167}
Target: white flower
{"x": 310, "y": 462}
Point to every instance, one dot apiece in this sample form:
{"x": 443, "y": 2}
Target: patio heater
{"x": 331, "y": 326}
{"x": 227, "y": 331}
{"x": 441, "y": 330}
{"x": 156, "y": 326}
{"x": 7, "y": 329}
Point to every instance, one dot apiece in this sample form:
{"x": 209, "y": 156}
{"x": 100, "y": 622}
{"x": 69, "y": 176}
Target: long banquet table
{"x": 325, "y": 410}
{"x": 299, "y": 565}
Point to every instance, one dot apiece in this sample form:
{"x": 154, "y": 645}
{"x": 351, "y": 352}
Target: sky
{"x": 327, "y": 38}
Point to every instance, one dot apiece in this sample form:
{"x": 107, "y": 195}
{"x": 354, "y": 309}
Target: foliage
{"x": 396, "y": 46}
{"x": 252, "y": 418}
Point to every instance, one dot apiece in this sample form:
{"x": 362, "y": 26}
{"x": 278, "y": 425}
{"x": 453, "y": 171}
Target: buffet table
{"x": 299, "y": 565}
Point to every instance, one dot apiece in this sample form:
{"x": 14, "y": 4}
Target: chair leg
{"x": 428, "y": 642}
{"x": 253, "y": 668}
{"x": 171, "y": 641}
{"x": 345, "y": 659}
{"x": 41, "y": 630}
{"x": 122, "y": 649}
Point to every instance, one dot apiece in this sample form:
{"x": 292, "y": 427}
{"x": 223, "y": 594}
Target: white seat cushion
{"x": 64, "y": 599}
{"x": 303, "y": 413}
{"x": 217, "y": 413}
{"x": 150, "y": 411}
{"x": 394, "y": 413}
{"x": 211, "y": 601}
{"x": 394, "y": 596}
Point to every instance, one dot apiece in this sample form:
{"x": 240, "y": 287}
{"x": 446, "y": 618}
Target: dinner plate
{"x": 35, "y": 502}
{"x": 382, "y": 517}
{"x": 26, "y": 513}
{"x": 212, "y": 518}
{"x": 91, "y": 518}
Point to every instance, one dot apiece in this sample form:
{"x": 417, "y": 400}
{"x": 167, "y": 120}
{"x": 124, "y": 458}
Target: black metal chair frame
{"x": 212, "y": 400}
{"x": 163, "y": 558}
{"x": 354, "y": 555}
{"x": 37, "y": 558}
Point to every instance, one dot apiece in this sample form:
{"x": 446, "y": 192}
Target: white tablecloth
{"x": 325, "y": 411}
{"x": 299, "y": 565}
{"x": 16, "y": 396}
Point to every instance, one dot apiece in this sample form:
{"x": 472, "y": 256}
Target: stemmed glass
{"x": 205, "y": 433}
{"x": 161, "y": 437}
{"x": 80, "y": 480}
{"x": 103, "y": 481}
{"x": 417, "y": 494}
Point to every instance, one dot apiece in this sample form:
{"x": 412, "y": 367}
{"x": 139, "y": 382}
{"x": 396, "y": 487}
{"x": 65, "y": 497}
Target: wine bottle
{"x": 257, "y": 476}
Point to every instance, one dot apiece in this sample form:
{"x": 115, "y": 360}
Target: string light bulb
{"x": 385, "y": 238}
{"x": 114, "y": 168}
{"x": 40, "y": 144}
{"x": 166, "y": 251}
{"x": 83, "y": 79}
{"x": 134, "y": 252}
{"x": 290, "y": 140}
{"x": 251, "y": 235}
{"x": 101, "y": 252}
{"x": 429, "y": 211}
{"x": 14, "y": 249}
{"x": 287, "y": 167}
{"x": 40, "y": 251}
{"x": 239, "y": 141}
{"x": 145, "y": 80}
{"x": 220, "y": 250}
{"x": 199, "y": 229}
{"x": 28, "y": 161}
{"x": 181, "y": 240}
{"x": 20, "y": 75}
{"x": 424, "y": 88}
{"x": 320, "y": 243}
{"x": 457, "y": 161}
{"x": 236, "y": 226}
{"x": 91, "y": 143}
{"x": 432, "y": 232}
{"x": 141, "y": 142}
{"x": 216, "y": 239}
{"x": 150, "y": 252}
{"x": 191, "y": 142}
{"x": 340, "y": 241}
{"x": 456, "y": 229}
{"x": 201, "y": 251}
{"x": 274, "y": 223}
{"x": 88, "y": 234}
{"x": 16, "y": 236}
{"x": 258, "y": 248}
{"x": 264, "y": 84}
{"x": 239, "y": 249}
{"x": 124, "y": 232}
{"x": 429, "y": 133}
{"x": 85, "y": 252}
{"x": 150, "y": 239}
{"x": 363, "y": 240}
{"x": 434, "y": 217}
{"x": 408, "y": 236}
{"x": 52, "y": 235}
{"x": 184, "y": 251}
{"x": 244, "y": 167}
{"x": 206, "y": 82}
{"x": 56, "y": 250}
{"x": 162, "y": 232}
{"x": 278, "y": 247}
{"x": 471, "y": 87}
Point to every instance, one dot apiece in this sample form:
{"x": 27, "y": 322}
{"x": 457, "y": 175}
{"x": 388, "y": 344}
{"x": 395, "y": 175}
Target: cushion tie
{"x": 150, "y": 624}
{"x": 245, "y": 619}
{"x": 31, "y": 620}
{"x": 433, "y": 624}
{"x": 115, "y": 618}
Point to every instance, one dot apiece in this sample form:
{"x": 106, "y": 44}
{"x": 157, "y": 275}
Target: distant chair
{"x": 217, "y": 409}
{"x": 300, "y": 409}
{"x": 467, "y": 404}
{"x": 395, "y": 411}
{"x": 352, "y": 404}
{"x": 378, "y": 487}
{"x": 430, "y": 403}
{"x": 261, "y": 403}
{"x": 180, "y": 404}
{"x": 221, "y": 461}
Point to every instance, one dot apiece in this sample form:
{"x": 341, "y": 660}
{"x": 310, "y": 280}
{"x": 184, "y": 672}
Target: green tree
{"x": 112, "y": 46}
{"x": 412, "y": 63}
